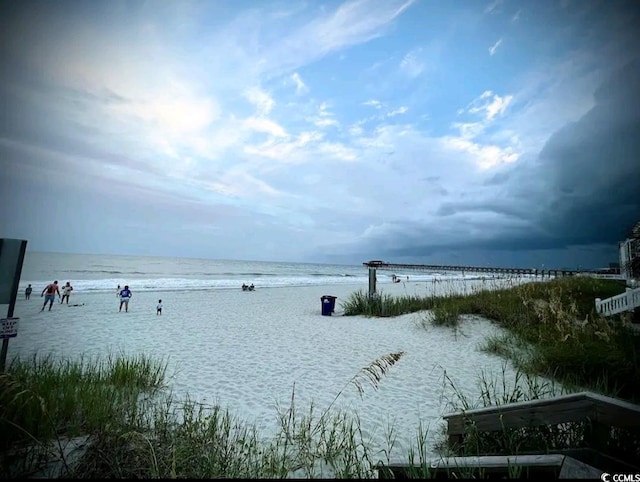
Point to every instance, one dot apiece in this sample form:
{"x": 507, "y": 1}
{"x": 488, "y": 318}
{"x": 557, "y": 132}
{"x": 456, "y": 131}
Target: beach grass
{"x": 383, "y": 304}
{"x": 121, "y": 420}
{"x": 150, "y": 434}
{"x": 44, "y": 399}
{"x": 552, "y": 328}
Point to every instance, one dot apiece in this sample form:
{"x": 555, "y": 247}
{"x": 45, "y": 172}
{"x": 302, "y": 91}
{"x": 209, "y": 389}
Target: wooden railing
{"x": 599, "y": 410}
{"x": 545, "y": 466}
{"x": 626, "y": 301}
{"x": 587, "y": 461}
{"x": 438, "y": 268}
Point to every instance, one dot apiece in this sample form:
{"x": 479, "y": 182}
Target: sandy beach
{"x": 247, "y": 350}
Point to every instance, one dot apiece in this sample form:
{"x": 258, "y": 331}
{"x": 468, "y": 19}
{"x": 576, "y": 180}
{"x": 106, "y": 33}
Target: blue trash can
{"x": 328, "y": 304}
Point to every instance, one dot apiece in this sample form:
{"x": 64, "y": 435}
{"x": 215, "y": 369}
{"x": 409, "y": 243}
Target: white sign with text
{"x": 8, "y": 327}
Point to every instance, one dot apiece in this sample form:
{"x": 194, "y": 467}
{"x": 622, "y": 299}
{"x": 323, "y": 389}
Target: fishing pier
{"x": 373, "y": 266}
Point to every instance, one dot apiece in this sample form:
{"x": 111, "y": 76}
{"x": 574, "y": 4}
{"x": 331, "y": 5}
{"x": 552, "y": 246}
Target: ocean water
{"x": 87, "y": 272}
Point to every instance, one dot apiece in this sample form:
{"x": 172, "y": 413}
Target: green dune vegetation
{"x": 551, "y": 328}
{"x": 117, "y": 417}
{"x": 557, "y": 343}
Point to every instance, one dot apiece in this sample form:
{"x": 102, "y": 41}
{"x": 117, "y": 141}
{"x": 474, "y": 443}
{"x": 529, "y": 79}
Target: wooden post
{"x": 456, "y": 443}
{"x": 597, "y": 435}
{"x": 372, "y": 281}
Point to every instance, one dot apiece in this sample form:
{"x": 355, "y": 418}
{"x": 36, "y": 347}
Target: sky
{"x": 491, "y": 133}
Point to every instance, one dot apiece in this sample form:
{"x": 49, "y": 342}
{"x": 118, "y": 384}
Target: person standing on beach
{"x": 159, "y": 308}
{"x": 66, "y": 291}
{"x": 118, "y": 290}
{"x": 27, "y": 292}
{"x": 51, "y": 290}
{"x": 125, "y": 296}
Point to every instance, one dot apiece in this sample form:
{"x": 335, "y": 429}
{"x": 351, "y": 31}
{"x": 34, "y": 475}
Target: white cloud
{"x": 338, "y": 151}
{"x": 398, "y": 111}
{"x": 323, "y": 109}
{"x": 373, "y": 103}
{"x": 260, "y": 99}
{"x": 301, "y": 87}
{"x": 308, "y": 137}
{"x": 490, "y": 105}
{"x": 411, "y": 63}
{"x": 498, "y": 106}
{"x": 286, "y": 151}
{"x": 241, "y": 184}
{"x": 491, "y": 8}
{"x": 326, "y": 122}
{"x": 485, "y": 156}
{"x": 260, "y": 124}
{"x": 324, "y": 118}
{"x": 352, "y": 23}
{"x": 469, "y": 130}
{"x": 383, "y": 137}
{"x": 175, "y": 115}
{"x": 494, "y": 47}
{"x": 356, "y": 130}
{"x": 485, "y": 153}
{"x": 304, "y": 148}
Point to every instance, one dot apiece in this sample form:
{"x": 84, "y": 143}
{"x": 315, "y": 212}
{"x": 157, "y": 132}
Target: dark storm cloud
{"x": 497, "y": 207}
{"x": 584, "y": 189}
{"x": 594, "y": 167}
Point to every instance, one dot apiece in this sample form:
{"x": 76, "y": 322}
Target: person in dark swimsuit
{"x": 125, "y": 296}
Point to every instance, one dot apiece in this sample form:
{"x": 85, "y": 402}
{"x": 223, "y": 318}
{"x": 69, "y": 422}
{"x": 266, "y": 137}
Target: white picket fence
{"x": 602, "y": 275}
{"x": 626, "y": 301}
{"x": 609, "y": 276}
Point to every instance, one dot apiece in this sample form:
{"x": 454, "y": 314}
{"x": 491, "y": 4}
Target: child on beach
{"x": 27, "y": 292}
{"x": 159, "y": 308}
{"x": 66, "y": 291}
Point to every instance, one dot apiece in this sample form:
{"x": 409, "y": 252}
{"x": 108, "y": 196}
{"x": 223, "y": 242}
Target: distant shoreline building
{"x": 629, "y": 251}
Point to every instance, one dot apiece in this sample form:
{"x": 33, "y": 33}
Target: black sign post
{"x": 11, "y": 257}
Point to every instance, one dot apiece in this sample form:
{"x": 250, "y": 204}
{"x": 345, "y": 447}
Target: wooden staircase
{"x": 602, "y": 417}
